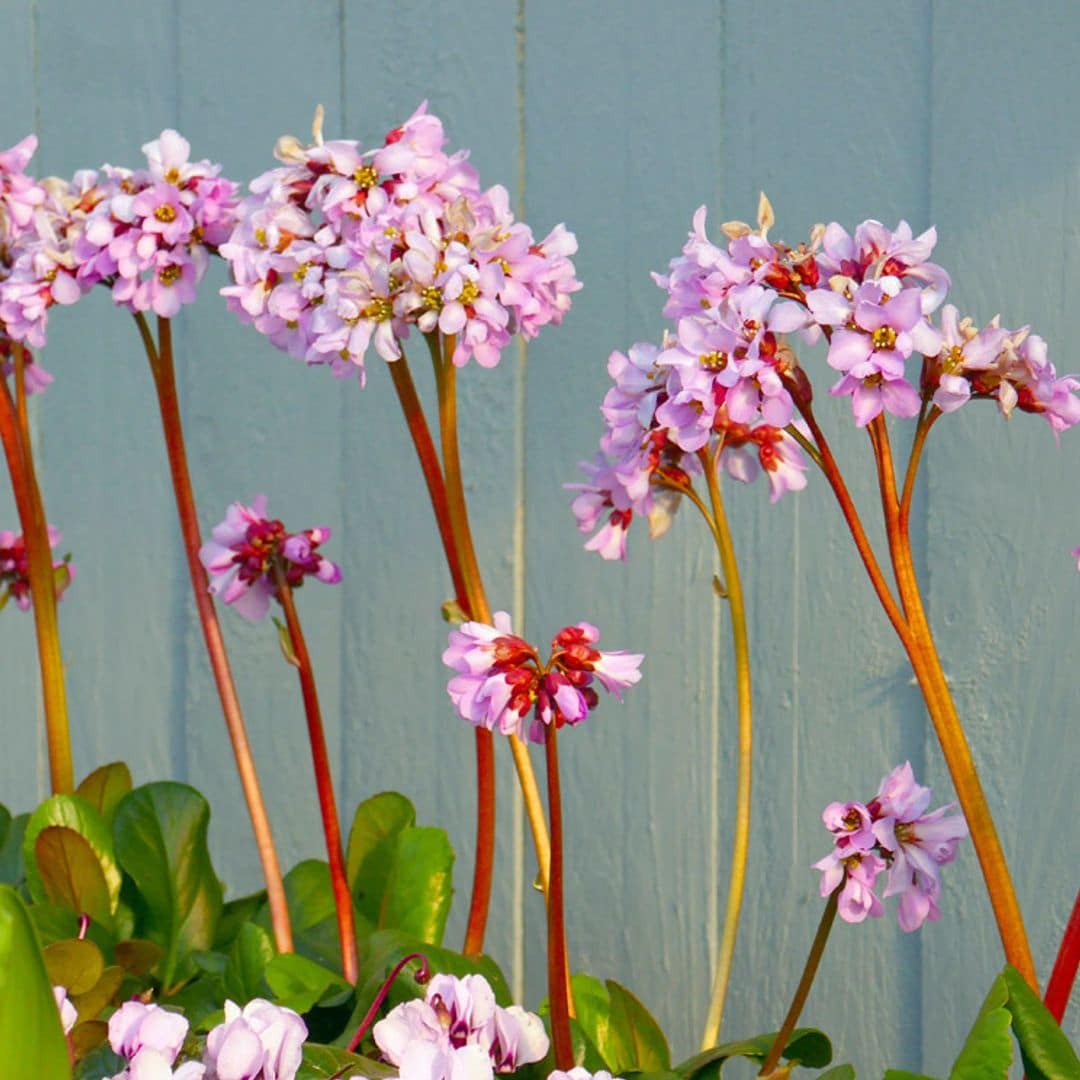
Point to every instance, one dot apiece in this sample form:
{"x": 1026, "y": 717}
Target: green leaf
{"x": 249, "y": 954}
{"x": 161, "y": 843}
{"x": 807, "y": 1046}
{"x": 310, "y": 899}
{"x": 236, "y": 914}
{"x": 99, "y": 1064}
{"x": 138, "y": 956}
{"x": 372, "y": 839}
{"x": 72, "y": 812}
{"x": 325, "y": 1061}
{"x": 301, "y": 984}
{"x": 105, "y": 787}
{"x": 1043, "y": 1046}
{"x": 592, "y": 1003}
{"x": 987, "y": 1051}
{"x": 100, "y": 995}
{"x": 838, "y": 1072}
{"x": 74, "y": 964}
{"x": 419, "y": 886}
{"x": 895, "y": 1074}
{"x": 30, "y": 1031}
{"x": 646, "y": 1045}
{"x": 12, "y": 868}
{"x": 71, "y": 874}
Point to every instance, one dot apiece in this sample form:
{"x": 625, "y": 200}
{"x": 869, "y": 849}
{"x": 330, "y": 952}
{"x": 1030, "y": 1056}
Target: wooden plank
{"x": 399, "y": 725}
{"x": 1002, "y": 585}
{"x": 105, "y": 86}
{"x": 24, "y": 771}
{"x": 613, "y": 148}
{"x": 260, "y": 422}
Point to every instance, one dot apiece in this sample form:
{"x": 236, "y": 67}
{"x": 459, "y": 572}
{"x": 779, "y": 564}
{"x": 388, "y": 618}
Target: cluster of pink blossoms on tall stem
{"x": 726, "y": 375}
{"x": 239, "y": 558}
{"x": 891, "y": 833}
{"x": 146, "y": 234}
{"x": 503, "y": 686}
{"x": 341, "y": 249}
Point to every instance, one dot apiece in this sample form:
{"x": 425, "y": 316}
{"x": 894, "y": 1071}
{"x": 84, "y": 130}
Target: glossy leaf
{"x": 987, "y": 1051}
{"x": 100, "y": 995}
{"x": 99, "y": 1064}
{"x": 71, "y": 875}
{"x": 235, "y": 914}
{"x": 322, "y": 1062}
{"x": 807, "y": 1046}
{"x": 301, "y": 984}
{"x": 105, "y": 787}
{"x": 74, "y": 964}
{"x": 1043, "y": 1046}
{"x": 372, "y": 839}
{"x": 30, "y": 1033}
{"x": 74, "y": 813}
{"x": 249, "y": 954}
{"x": 839, "y": 1072}
{"x": 644, "y": 1042}
{"x": 419, "y": 886}
{"x": 161, "y": 843}
{"x": 592, "y": 1003}
{"x": 12, "y": 868}
{"x": 138, "y": 956}
{"x": 902, "y": 1074}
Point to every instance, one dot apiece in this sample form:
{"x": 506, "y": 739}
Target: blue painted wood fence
{"x": 620, "y": 120}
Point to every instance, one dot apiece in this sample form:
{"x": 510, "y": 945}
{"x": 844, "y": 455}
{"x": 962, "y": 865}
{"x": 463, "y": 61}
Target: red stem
{"x": 557, "y": 967}
{"x": 1063, "y": 976}
{"x": 161, "y": 367}
{"x": 422, "y": 977}
{"x": 324, "y": 781}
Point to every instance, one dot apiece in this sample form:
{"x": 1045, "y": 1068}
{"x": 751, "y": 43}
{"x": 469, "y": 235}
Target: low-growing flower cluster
{"x": 727, "y": 376}
{"x": 146, "y": 234}
{"x": 458, "y": 1032}
{"x": 340, "y": 249}
{"x": 890, "y": 833}
{"x": 502, "y": 681}
{"x": 241, "y": 555}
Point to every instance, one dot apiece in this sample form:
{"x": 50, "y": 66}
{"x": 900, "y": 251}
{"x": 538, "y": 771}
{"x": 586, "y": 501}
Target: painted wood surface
{"x": 963, "y": 115}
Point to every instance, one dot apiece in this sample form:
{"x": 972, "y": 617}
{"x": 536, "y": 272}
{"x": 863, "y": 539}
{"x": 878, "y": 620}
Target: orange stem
{"x": 324, "y": 781}
{"x": 558, "y": 971}
{"x": 161, "y": 367}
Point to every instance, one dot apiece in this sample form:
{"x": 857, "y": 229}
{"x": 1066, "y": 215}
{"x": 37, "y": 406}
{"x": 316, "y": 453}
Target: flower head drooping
{"x": 459, "y": 1032}
{"x": 890, "y": 833}
{"x": 146, "y": 234}
{"x": 501, "y": 681}
{"x": 15, "y": 569}
{"x": 241, "y": 555}
{"x": 340, "y": 249}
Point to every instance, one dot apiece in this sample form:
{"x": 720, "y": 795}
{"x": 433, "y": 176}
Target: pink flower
{"x": 892, "y": 832}
{"x": 147, "y": 1034}
{"x": 244, "y": 547}
{"x": 15, "y": 569}
{"x": 68, "y": 1013}
{"x": 1076, "y": 556}
{"x": 262, "y": 1041}
{"x": 458, "y": 1031}
{"x": 501, "y": 680}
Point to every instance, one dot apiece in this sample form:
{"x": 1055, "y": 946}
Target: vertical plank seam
{"x": 517, "y": 823}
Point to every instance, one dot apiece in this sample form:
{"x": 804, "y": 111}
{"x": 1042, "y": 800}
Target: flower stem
{"x": 446, "y": 385}
{"x": 1063, "y": 976}
{"x": 923, "y": 653}
{"x": 324, "y": 781}
{"x": 741, "y": 840}
{"x": 15, "y": 434}
{"x": 558, "y": 971}
{"x": 161, "y": 367}
{"x": 828, "y": 916}
{"x": 421, "y": 976}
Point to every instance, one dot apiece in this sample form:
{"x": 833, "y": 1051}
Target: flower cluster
{"x": 458, "y": 1031}
{"x": 262, "y": 1041}
{"x": 15, "y": 569}
{"x": 147, "y": 234}
{"x": 890, "y": 833}
{"x": 725, "y": 385}
{"x": 501, "y": 680}
{"x": 240, "y": 557}
{"x": 340, "y": 249}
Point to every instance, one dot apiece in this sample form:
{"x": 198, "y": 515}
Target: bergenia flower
{"x": 15, "y": 569}
{"x": 502, "y": 682}
{"x": 262, "y": 1041}
{"x": 890, "y": 833}
{"x": 241, "y": 556}
{"x": 459, "y": 1032}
